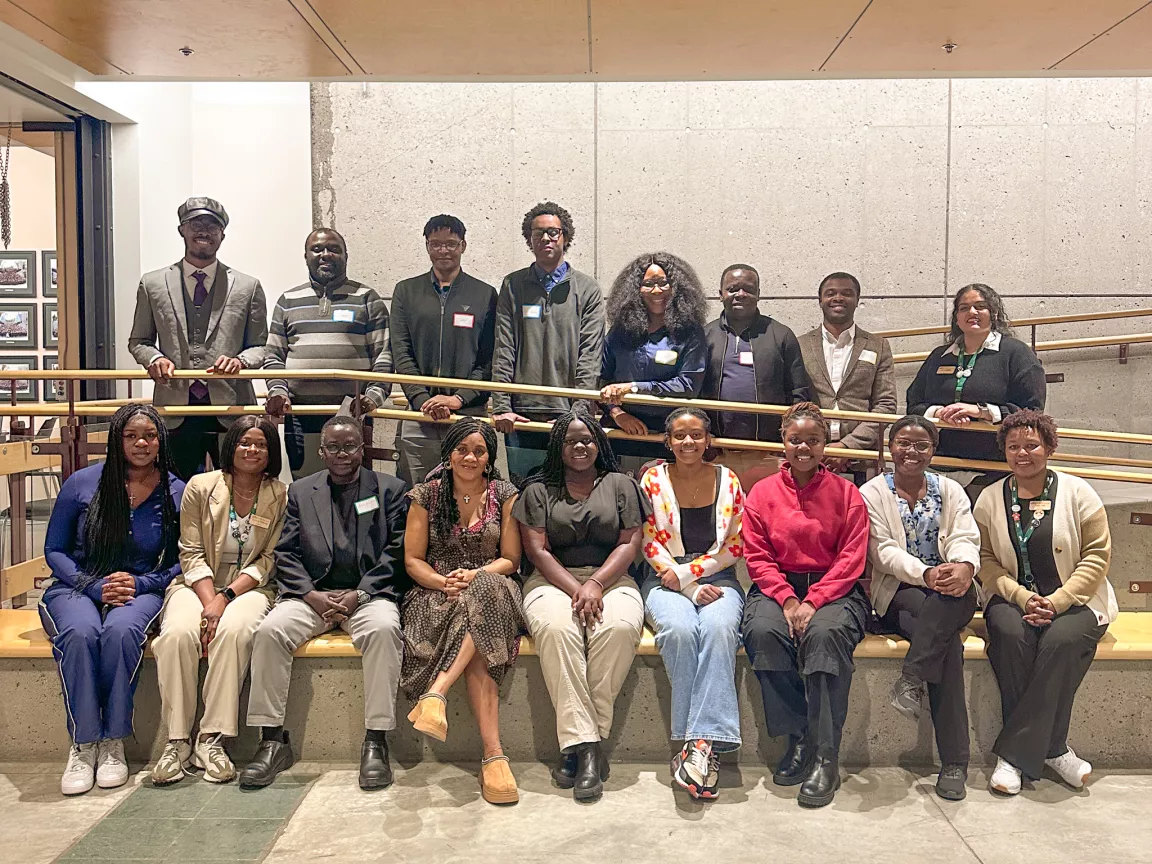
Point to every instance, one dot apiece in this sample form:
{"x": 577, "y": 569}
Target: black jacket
{"x": 777, "y": 361}
{"x": 433, "y": 338}
{"x": 304, "y": 553}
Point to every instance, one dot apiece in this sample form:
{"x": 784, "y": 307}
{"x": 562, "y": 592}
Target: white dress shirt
{"x": 190, "y": 281}
{"x": 837, "y": 353}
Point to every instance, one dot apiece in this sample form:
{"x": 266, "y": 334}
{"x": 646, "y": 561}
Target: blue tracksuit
{"x": 98, "y": 648}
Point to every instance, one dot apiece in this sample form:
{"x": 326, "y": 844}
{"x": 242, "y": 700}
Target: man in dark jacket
{"x": 443, "y": 325}
{"x": 752, "y": 358}
{"x": 339, "y": 563}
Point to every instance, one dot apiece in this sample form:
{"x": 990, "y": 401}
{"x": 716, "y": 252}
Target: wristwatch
{"x": 983, "y": 406}
{"x": 363, "y": 598}
{"x": 228, "y": 593}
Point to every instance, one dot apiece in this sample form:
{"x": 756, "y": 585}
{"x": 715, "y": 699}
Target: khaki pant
{"x": 584, "y": 666}
{"x": 177, "y": 651}
{"x": 750, "y": 466}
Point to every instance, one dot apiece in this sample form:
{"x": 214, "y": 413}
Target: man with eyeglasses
{"x": 199, "y": 314}
{"x": 330, "y": 322}
{"x": 443, "y": 325}
{"x": 339, "y": 563}
{"x": 549, "y": 332}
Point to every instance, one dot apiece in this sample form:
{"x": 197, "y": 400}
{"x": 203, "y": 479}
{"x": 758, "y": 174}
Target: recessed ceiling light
{"x": 949, "y": 47}
{"x": 186, "y": 51}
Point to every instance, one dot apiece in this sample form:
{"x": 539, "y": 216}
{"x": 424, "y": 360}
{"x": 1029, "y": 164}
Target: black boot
{"x": 375, "y": 772}
{"x": 271, "y": 758}
{"x": 820, "y": 787}
{"x": 587, "y": 785}
{"x": 796, "y": 764}
{"x": 564, "y": 772}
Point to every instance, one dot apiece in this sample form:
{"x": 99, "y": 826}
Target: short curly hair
{"x": 549, "y": 208}
{"x": 1039, "y": 422}
{"x": 802, "y": 411}
{"x": 687, "y": 308}
{"x": 1001, "y": 323}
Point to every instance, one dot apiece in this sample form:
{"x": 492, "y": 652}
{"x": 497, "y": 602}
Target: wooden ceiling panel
{"x": 506, "y": 38}
{"x": 677, "y": 39}
{"x": 1127, "y": 47}
{"x": 991, "y": 36}
{"x": 18, "y": 19}
{"x": 231, "y": 38}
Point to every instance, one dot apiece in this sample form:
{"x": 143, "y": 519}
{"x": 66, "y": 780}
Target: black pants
{"x": 805, "y": 686}
{"x": 931, "y": 622}
{"x": 191, "y": 441}
{"x": 1039, "y": 670}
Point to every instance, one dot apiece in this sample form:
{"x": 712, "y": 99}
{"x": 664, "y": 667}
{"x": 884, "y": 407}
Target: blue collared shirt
{"x": 548, "y": 281}
{"x": 661, "y": 366}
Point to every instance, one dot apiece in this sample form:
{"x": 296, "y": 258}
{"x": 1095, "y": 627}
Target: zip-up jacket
{"x": 448, "y": 334}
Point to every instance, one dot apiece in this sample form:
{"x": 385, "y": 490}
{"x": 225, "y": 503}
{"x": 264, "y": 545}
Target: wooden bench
{"x": 1129, "y": 638}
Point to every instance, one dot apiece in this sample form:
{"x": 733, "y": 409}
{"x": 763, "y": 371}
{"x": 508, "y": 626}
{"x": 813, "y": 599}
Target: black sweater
{"x": 1011, "y": 378}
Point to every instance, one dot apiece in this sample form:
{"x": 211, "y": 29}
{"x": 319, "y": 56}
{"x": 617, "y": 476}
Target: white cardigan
{"x": 888, "y": 546}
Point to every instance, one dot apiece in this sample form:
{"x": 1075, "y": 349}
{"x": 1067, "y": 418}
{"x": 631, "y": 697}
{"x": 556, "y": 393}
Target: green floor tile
{"x": 224, "y": 840}
{"x": 128, "y": 840}
{"x": 274, "y": 802}
{"x": 184, "y": 799}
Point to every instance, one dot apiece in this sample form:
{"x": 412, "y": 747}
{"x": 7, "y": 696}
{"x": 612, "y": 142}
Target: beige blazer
{"x": 204, "y": 528}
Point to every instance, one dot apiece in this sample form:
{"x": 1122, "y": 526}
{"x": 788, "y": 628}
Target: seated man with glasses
{"x": 444, "y": 325}
{"x": 339, "y": 563}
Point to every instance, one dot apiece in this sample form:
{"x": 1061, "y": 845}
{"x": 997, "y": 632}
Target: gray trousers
{"x": 419, "y": 446}
{"x": 375, "y": 631}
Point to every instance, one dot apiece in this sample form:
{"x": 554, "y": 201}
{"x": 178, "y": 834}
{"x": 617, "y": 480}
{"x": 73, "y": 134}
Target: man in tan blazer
{"x": 199, "y": 313}
{"x": 850, "y": 368}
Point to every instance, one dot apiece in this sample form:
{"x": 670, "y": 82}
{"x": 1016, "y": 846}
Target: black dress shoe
{"x": 796, "y": 764}
{"x": 564, "y": 772}
{"x": 587, "y": 784}
{"x": 375, "y": 772}
{"x": 271, "y": 758}
{"x": 820, "y": 787}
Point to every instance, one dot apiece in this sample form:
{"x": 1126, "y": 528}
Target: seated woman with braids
{"x": 462, "y": 549}
{"x": 112, "y": 548}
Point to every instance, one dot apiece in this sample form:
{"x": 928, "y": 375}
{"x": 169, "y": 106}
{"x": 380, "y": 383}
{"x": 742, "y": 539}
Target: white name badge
{"x": 531, "y": 311}
{"x": 868, "y": 357}
{"x": 461, "y": 319}
{"x": 666, "y": 357}
{"x": 347, "y": 316}
{"x": 745, "y": 358}
{"x": 366, "y": 505}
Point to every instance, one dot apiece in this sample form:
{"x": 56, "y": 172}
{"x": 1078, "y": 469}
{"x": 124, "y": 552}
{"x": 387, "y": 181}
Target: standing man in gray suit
{"x": 200, "y": 314}
{"x": 850, "y": 368}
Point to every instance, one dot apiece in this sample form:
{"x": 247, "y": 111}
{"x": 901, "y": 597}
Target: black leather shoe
{"x": 564, "y": 772}
{"x": 375, "y": 772}
{"x": 796, "y": 763}
{"x": 587, "y": 785}
{"x": 820, "y": 786}
{"x": 271, "y": 758}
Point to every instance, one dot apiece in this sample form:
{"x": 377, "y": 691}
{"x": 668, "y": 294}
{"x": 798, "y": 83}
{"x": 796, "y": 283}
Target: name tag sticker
{"x": 261, "y": 521}
{"x": 1040, "y": 505}
{"x": 745, "y": 358}
{"x": 945, "y": 370}
{"x": 868, "y": 357}
{"x": 347, "y": 316}
{"x": 666, "y": 357}
{"x": 367, "y": 505}
{"x": 531, "y": 311}
{"x": 461, "y": 319}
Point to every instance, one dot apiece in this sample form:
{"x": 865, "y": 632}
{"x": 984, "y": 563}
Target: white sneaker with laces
{"x": 111, "y": 766}
{"x": 80, "y": 772}
{"x": 1006, "y": 778}
{"x": 1072, "y": 769}
{"x": 211, "y": 756}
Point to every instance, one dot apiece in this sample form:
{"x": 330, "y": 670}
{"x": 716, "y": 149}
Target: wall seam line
{"x": 947, "y": 200}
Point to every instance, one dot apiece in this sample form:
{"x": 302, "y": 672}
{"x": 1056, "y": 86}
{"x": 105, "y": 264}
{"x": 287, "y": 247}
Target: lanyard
{"x": 1039, "y": 507}
{"x": 963, "y": 373}
{"x": 241, "y": 536}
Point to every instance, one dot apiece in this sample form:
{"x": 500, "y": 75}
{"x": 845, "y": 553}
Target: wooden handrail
{"x": 1054, "y": 345}
{"x": 1024, "y": 322}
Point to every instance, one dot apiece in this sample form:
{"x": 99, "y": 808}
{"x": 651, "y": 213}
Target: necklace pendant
{"x": 467, "y": 499}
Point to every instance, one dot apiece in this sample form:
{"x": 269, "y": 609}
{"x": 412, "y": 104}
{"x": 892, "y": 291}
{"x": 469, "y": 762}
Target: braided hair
{"x": 802, "y": 411}
{"x": 445, "y": 514}
{"x": 110, "y": 514}
{"x": 551, "y": 473}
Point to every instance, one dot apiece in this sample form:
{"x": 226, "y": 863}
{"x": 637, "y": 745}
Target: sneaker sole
{"x": 949, "y": 795}
{"x": 911, "y": 713}
{"x": 115, "y": 785}
{"x": 1001, "y": 790}
{"x": 168, "y": 781}
{"x": 199, "y": 766}
{"x": 72, "y": 793}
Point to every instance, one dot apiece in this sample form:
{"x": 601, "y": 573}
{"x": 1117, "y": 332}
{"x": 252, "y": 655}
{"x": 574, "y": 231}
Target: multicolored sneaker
{"x": 697, "y": 770}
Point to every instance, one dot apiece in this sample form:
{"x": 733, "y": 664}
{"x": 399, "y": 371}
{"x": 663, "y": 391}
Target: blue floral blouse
{"x": 921, "y": 523}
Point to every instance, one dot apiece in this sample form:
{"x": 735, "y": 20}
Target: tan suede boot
{"x": 429, "y": 716}
{"x": 497, "y": 785}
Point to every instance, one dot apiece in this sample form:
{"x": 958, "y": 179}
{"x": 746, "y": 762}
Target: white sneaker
{"x": 210, "y": 756}
{"x": 111, "y": 767}
{"x": 1072, "y": 769}
{"x": 1005, "y": 779}
{"x": 80, "y": 772}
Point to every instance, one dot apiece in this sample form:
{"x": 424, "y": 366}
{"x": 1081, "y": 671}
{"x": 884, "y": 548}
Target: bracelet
{"x": 598, "y": 582}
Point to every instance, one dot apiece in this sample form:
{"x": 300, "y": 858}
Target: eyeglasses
{"x": 550, "y": 233}
{"x": 443, "y": 245}
{"x": 258, "y": 446}
{"x": 972, "y": 307}
{"x": 654, "y": 285}
{"x": 918, "y": 446}
{"x": 342, "y": 450}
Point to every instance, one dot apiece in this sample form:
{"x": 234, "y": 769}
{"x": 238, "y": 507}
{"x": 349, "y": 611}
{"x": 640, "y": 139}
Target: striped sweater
{"x": 352, "y": 334}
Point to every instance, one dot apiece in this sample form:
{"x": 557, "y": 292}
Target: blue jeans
{"x": 526, "y": 451}
{"x": 699, "y": 645}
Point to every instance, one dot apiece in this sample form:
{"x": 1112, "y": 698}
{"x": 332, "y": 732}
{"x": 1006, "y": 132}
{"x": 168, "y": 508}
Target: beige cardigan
{"x": 1082, "y": 548}
{"x": 204, "y": 527}
{"x": 888, "y": 547}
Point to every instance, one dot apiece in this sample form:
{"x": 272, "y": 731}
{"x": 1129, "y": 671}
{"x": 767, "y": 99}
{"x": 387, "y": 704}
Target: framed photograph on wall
{"x": 18, "y": 325}
{"x": 26, "y": 391}
{"x": 54, "y": 391}
{"x": 48, "y": 273}
{"x": 51, "y": 337}
{"x": 17, "y": 274}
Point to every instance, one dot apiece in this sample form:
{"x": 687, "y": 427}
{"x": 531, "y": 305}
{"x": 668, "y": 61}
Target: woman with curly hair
{"x": 462, "y": 549}
{"x": 655, "y": 345}
{"x": 1044, "y": 555}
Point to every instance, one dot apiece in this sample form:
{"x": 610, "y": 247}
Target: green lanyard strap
{"x": 963, "y": 373}
{"x": 1023, "y": 535}
{"x": 240, "y": 536}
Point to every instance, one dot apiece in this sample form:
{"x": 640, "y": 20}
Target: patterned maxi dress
{"x": 490, "y": 609}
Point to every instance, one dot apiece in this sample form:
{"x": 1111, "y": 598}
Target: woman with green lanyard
{"x": 229, "y": 526}
{"x": 979, "y": 373}
{"x": 1045, "y": 549}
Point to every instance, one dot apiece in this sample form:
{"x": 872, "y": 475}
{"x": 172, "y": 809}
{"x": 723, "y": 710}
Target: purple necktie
{"x": 201, "y": 293}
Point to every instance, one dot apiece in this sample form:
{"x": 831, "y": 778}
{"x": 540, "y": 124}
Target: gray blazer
{"x": 868, "y": 385}
{"x": 237, "y": 327}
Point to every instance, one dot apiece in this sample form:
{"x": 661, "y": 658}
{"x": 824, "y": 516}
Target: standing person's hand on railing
{"x": 278, "y": 404}
{"x": 226, "y": 365}
{"x": 835, "y": 464}
{"x": 627, "y": 423}
{"x": 442, "y": 407}
{"x": 160, "y": 370}
{"x": 507, "y": 421}
{"x": 614, "y": 393}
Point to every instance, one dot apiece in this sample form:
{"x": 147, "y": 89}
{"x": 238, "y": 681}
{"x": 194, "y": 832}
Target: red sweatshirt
{"x": 822, "y": 527}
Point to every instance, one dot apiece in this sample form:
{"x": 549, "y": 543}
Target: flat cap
{"x": 201, "y": 206}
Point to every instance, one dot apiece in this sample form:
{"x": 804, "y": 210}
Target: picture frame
{"x": 26, "y": 391}
{"x": 17, "y": 274}
{"x": 54, "y": 391}
{"x": 18, "y": 325}
{"x": 51, "y": 335}
{"x": 48, "y": 273}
